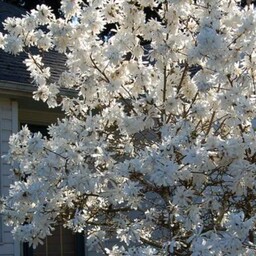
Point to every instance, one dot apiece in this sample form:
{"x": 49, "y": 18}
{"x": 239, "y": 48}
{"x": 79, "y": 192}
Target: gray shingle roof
{"x": 12, "y": 68}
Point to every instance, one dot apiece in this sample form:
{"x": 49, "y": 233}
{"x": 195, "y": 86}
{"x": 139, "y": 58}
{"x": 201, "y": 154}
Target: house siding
{"x": 8, "y": 125}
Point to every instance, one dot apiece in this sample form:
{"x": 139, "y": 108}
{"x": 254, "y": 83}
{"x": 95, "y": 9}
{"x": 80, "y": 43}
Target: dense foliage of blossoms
{"x": 158, "y": 149}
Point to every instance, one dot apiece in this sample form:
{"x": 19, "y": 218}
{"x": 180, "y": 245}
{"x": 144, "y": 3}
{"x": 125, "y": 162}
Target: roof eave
{"x": 16, "y": 89}
{"x": 21, "y": 89}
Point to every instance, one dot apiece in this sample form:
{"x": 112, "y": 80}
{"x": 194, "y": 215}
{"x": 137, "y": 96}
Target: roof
{"x": 12, "y": 68}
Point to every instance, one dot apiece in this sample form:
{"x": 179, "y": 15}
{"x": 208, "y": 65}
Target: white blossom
{"x": 13, "y": 44}
{"x": 157, "y": 147}
{"x": 2, "y": 41}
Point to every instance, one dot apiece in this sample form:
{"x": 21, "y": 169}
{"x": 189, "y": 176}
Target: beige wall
{"x": 8, "y": 125}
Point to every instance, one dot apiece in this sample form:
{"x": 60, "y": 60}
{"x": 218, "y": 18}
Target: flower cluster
{"x": 157, "y": 149}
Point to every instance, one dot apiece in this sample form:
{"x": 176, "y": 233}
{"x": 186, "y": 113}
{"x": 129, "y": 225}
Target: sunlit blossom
{"x": 156, "y": 150}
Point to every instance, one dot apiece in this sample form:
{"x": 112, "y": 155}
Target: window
{"x": 63, "y": 242}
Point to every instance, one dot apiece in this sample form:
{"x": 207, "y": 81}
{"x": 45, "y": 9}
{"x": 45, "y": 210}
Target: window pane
{"x": 54, "y": 243}
{"x": 68, "y": 242}
{"x": 61, "y": 243}
{"x": 40, "y": 250}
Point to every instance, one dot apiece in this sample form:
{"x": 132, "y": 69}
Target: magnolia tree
{"x": 157, "y": 148}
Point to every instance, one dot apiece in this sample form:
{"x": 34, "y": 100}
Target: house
{"x": 17, "y": 108}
